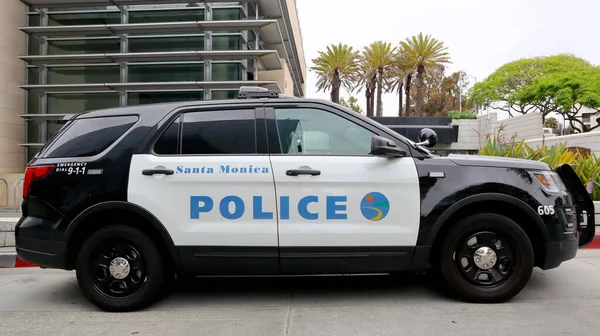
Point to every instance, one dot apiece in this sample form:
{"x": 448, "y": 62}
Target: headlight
{"x": 549, "y": 180}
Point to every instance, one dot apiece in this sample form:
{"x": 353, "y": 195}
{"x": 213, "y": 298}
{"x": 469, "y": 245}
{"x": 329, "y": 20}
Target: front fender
{"x": 486, "y": 197}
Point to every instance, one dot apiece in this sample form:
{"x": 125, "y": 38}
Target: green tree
{"x": 352, "y": 104}
{"x": 565, "y": 93}
{"x": 509, "y": 87}
{"x": 336, "y": 67}
{"x": 377, "y": 60}
{"x": 424, "y": 54}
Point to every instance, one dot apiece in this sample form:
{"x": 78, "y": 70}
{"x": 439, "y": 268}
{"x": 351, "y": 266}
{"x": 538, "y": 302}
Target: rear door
{"x": 340, "y": 208}
{"x": 209, "y": 182}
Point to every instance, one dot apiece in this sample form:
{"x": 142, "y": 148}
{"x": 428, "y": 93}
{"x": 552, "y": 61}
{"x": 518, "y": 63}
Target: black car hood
{"x": 496, "y": 161}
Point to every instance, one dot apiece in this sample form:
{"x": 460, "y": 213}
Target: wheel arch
{"x": 96, "y": 217}
{"x": 502, "y": 204}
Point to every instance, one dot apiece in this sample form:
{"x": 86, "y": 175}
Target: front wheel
{"x": 486, "y": 258}
{"x": 119, "y": 268}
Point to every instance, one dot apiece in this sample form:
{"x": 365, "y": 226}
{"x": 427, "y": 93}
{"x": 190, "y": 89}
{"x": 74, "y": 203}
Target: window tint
{"x": 88, "y": 137}
{"x": 219, "y": 132}
{"x": 317, "y": 132}
{"x": 168, "y": 143}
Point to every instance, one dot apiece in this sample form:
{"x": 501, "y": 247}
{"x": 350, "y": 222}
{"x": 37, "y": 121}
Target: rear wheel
{"x": 486, "y": 258}
{"x": 119, "y": 268}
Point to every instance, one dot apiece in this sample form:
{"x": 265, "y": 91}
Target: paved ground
{"x": 565, "y": 301}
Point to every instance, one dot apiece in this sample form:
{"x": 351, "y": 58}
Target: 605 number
{"x": 546, "y": 210}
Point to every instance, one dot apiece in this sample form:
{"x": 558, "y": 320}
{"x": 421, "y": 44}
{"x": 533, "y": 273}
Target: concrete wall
{"x": 472, "y": 133}
{"x": 282, "y": 76}
{"x": 291, "y": 4}
{"x": 13, "y": 44}
{"x": 12, "y": 99}
{"x": 589, "y": 140}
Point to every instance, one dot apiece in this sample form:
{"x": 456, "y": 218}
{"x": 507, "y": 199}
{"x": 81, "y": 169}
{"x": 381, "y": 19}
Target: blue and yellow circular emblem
{"x": 374, "y": 206}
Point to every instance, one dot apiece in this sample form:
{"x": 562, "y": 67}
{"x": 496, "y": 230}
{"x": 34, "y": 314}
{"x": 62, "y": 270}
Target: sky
{"x": 480, "y": 35}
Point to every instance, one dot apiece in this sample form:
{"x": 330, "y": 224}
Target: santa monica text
{"x": 223, "y": 169}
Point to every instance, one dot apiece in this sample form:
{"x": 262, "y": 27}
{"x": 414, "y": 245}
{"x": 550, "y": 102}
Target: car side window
{"x": 311, "y": 131}
{"x": 209, "y": 133}
{"x": 218, "y": 132}
{"x": 86, "y": 137}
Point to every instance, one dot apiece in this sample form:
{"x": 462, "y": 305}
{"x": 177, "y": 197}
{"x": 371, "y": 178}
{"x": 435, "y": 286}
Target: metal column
{"x": 43, "y": 97}
{"x": 123, "y": 74}
{"x": 207, "y": 46}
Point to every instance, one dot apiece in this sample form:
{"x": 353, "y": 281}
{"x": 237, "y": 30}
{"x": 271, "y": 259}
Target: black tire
{"x": 466, "y": 281}
{"x": 144, "y": 279}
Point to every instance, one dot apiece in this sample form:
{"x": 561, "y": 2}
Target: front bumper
{"x": 36, "y": 244}
{"x": 559, "y": 252}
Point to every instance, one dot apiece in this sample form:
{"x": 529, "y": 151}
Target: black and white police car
{"x": 133, "y": 197}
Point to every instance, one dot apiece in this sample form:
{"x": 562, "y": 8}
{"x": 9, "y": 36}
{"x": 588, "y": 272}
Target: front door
{"x": 340, "y": 208}
{"x": 209, "y": 182}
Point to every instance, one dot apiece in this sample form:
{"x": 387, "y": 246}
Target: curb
{"x": 595, "y": 243}
{"x": 11, "y": 260}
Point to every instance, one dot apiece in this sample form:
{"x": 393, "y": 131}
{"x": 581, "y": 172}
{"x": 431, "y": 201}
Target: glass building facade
{"x": 85, "y": 55}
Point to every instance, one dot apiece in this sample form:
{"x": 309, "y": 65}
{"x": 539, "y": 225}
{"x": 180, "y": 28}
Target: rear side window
{"x": 210, "y": 133}
{"x": 88, "y": 137}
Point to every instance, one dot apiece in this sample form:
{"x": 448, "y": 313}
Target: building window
{"x": 33, "y": 131}
{"x": 196, "y": 14}
{"x": 140, "y": 98}
{"x": 89, "y": 46}
{"x": 33, "y": 76}
{"x": 227, "y": 42}
{"x": 83, "y": 75}
{"x": 226, "y": 72}
{"x": 94, "y": 18}
{"x": 166, "y": 73}
{"x": 34, "y": 20}
{"x": 67, "y": 103}
{"x": 219, "y": 132}
{"x": 223, "y": 95}
{"x": 223, "y": 14}
{"x": 164, "y": 44}
{"x": 586, "y": 117}
{"x": 52, "y": 126}
{"x": 33, "y": 102}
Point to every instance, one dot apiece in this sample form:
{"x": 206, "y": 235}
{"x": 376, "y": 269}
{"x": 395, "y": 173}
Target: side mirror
{"x": 427, "y": 137}
{"x": 381, "y": 146}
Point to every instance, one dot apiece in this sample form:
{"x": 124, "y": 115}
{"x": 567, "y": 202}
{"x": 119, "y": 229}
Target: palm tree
{"x": 367, "y": 80}
{"x": 376, "y": 61}
{"x": 398, "y": 75}
{"x": 424, "y": 53}
{"x": 335, "y": 68}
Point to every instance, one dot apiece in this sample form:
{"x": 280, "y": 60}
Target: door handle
{"x": 149, "y": 172}
{"x": 296, "y": 172}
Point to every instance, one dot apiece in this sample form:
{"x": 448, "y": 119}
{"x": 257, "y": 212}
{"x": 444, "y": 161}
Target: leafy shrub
{"x": 461, "y": 115}
{"x": 587, "y": 167}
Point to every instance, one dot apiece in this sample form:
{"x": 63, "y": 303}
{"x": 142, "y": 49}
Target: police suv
{"x": 133, "y": 197}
